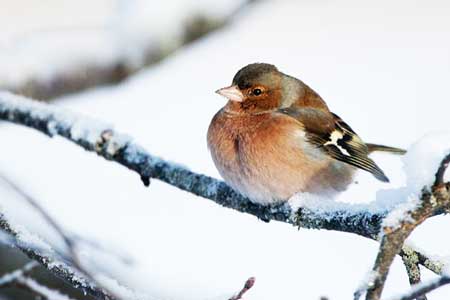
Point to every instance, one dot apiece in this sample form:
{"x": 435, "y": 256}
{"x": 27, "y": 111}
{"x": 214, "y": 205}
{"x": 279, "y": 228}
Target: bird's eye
{"x": 257, "y": 92}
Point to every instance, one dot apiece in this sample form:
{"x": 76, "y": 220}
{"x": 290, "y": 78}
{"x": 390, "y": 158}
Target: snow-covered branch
{"x": 71, "y": 244}
{"x": 102, "y": 139}
{"x": 395, "y": 230}
{"x": 51, "y": 262}
{"x": 73, "y": 273}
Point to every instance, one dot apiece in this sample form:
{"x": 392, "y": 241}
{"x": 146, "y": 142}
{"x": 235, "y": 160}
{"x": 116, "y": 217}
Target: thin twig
{"x": 70, "y": 244}
{"x": 20, "y": 279}
{"x": 30, "y": 200}
{"x": 424, "y": 288}
{"x": 37, "y": 289}
{"x": 10, "y": 278}
{"x": 52, "y": 264}
{"x": 248, "y": 285}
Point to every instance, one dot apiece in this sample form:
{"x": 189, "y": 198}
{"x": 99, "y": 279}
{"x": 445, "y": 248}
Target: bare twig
{"x": 394, "y": 235}
{"x": 10, "y": 278}
{"x": 20, "y": 279}
{"x": 69, "y": 243}
{"x": 248, "y": 285}
{"x": 37, "y": 289}
{"x": 53, "y": 264}
{"x": 422, "y": 289}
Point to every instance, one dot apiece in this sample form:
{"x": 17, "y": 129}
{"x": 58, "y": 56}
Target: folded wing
{"x": 331, "y": 134}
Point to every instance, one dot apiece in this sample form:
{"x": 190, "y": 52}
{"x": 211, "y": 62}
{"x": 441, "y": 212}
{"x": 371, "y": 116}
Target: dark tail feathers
{"x": 381, "y": 148}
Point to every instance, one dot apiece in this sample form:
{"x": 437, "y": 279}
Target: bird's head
{"x": 260, "y": 87}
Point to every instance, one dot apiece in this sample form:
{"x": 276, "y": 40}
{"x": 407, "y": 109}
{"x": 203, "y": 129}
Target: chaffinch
{"x": 276, "y": 137}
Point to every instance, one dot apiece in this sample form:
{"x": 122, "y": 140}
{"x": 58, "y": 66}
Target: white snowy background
{"x": 383, "y": 66}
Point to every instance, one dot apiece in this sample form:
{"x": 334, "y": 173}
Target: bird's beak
{"x": 232, "y": 93}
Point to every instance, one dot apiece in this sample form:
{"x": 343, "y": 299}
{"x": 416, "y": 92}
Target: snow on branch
{"x": 52, "y": 262}
{"x": 400, "y": 223}
{"x": 101, "y": 138}
{"x": 70, "y": 243}
{"x": 68, "y": 268}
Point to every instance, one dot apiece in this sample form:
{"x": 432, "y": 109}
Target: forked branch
{"x": 395, "y": 233}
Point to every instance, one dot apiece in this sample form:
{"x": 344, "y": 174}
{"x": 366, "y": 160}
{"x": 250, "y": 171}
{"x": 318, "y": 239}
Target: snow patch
{"x": 82, "y": 128}
{"x": 88, "y": 129}
{"x": 31, "y": 240}
{"x": 367, "y": 282}
{"x": 423, "y": 158}
{"x": 401, "y": 213}
{"x": 119, "y": 290}
{"x": 420, "y": 165}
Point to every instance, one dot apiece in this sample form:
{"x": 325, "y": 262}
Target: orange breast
{"x": 267, "y": 158}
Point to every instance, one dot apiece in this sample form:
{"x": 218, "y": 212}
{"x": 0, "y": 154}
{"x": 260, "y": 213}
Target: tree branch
{"x": 441, "y": 171}
{"x": 53, "y": 264}
{"x": 102, "y": 139}
{"x": 34, "y": 287}
{"x": 395, "y": 231}
{"x": 411, "y": 262}
{"x": 70, "y": 244}
{"x": 434, "y": 266}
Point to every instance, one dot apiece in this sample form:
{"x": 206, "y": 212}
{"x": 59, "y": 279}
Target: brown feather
{"x": 312, "y": 99}
{"x": 267, "y": 157}
{"x": 331, "y": 134}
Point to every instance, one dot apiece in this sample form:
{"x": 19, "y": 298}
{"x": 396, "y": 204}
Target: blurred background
{"x": 150, "y": 68}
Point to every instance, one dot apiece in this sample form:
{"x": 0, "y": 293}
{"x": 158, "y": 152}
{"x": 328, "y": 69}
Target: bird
{"x": 276, "y": 137}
